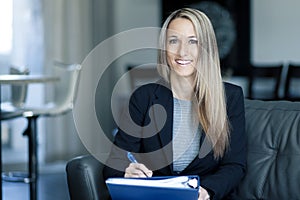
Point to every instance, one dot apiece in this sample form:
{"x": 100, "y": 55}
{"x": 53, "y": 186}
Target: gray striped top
{"x": 186, "y": 134}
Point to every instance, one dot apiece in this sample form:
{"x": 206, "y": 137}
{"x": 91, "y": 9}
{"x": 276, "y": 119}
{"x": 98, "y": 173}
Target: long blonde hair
{"x": 208, "y": 86}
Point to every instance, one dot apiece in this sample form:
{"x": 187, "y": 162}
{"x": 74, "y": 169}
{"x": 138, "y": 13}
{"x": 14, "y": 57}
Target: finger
{"x": 147, "y": 172}
{"x": 134, "y": 174}
{"x": 137, "y": 170}
{"x": 131, "y": 171}
{"x": 203, "y": 194}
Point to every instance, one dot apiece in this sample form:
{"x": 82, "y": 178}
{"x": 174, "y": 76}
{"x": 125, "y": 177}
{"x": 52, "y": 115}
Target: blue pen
{"x": 132, "y": 159}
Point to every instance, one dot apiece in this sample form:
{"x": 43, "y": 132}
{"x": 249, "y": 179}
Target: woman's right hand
{"x": 137, "y": 170}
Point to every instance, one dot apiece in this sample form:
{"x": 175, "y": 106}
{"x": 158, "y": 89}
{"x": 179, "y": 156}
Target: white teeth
{"x": 183, "y": 62}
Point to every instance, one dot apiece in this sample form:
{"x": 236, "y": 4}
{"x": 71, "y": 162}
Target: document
{"x": 165, "y": 187}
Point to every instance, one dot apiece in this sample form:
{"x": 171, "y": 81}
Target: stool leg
{"x": 32, "y": 162}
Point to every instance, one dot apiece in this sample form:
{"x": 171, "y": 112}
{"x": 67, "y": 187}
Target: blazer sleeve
{"x": 232, "y": 166}
{"x": 129, "y": 139}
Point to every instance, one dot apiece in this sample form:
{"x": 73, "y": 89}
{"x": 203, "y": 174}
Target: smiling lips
{"x": 183, "y": 62}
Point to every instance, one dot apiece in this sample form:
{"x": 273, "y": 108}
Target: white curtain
{"x": 27, "y": 52}
{"x": 68, "y": 39}
{"x": 28, "y": 35}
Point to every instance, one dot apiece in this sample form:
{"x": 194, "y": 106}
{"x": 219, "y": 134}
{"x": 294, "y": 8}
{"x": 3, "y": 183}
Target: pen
{"x": 132, "y": 159}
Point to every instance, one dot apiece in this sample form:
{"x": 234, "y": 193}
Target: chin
{"x": 184, "y": 70}
{"x": 186, "y": 74}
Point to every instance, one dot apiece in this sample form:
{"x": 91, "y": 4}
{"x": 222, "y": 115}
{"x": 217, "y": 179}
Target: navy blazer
{"x": 154, "y": 148}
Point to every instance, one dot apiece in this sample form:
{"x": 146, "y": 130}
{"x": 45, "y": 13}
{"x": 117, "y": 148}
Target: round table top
{"x": 17, "y": 79}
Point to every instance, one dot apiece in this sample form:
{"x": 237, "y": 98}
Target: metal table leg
{"x": 33, "y": 161}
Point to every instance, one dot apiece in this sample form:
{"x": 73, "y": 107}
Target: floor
{"x": 52, "y": 185}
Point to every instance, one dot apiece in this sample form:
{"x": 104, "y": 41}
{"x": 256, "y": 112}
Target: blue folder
{"x": 120, "y": 191}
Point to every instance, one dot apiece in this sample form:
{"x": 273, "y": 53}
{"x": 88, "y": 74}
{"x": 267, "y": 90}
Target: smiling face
{"x": 182, "y": 47}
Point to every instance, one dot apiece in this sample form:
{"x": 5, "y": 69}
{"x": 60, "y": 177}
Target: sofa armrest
{"x": 85, "y": 179}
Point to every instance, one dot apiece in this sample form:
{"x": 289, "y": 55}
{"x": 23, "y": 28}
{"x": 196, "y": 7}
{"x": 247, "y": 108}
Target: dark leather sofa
{"x": 273, "y": 169}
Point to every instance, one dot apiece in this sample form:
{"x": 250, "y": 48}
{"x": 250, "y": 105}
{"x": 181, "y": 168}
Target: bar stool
{"x": 65, "y": 94}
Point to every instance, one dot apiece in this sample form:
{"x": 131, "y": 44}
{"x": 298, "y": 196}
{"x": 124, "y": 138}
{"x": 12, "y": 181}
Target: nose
{"x": 182, "y": 49}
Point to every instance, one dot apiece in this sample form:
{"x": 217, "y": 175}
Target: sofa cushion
{"x": 273, "y": 142}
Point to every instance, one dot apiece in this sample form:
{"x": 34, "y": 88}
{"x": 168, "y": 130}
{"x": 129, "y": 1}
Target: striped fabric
{"x": 186, "y": 134}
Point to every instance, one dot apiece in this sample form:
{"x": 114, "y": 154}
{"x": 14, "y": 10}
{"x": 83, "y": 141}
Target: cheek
{"x": 194, "y": 52}
{"x": 170, "y": 56}
{"x": 195, "y": 55}
{"x": 171, "y": 50}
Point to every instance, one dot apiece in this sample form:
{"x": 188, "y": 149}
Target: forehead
{"x": 181, "y": 26}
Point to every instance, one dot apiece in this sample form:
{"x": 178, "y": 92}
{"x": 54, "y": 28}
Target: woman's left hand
{"x": 203, "y": 194}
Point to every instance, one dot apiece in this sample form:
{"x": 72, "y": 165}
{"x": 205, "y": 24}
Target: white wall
{"x": 130, "y": 14}
{"x": 275, "y": 35}
{"x": 68, "y": 36}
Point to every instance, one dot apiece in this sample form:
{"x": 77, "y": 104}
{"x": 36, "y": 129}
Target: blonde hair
{"x": 208, "y": 86}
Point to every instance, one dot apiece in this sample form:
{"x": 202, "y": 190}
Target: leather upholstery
{"x": 273, "y": 168}
{"x": 85, "y": 180}
{"x": 273, "y": 163}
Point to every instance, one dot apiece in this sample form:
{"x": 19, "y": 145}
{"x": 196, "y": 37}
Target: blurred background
{"x": 34, "y": 33}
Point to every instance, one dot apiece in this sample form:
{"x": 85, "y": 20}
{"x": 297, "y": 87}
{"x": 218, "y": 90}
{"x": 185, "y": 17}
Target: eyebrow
{"x": 174, "y": 36}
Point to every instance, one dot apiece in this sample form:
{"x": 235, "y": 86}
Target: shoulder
{"x": 153, "y": 90}
{"x": 234, "y": 96}
{"x": 232, "y": 90}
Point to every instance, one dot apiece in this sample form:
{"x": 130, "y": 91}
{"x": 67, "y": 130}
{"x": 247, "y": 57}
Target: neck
{"x": 182, "y": 87}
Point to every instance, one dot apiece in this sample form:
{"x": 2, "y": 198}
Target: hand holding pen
{"x": 135, "y": 169}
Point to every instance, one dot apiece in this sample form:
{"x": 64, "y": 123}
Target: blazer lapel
{"x": 164, "y": 98}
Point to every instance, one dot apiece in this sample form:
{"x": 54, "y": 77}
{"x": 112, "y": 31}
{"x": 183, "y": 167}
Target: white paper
{"x": 173, "y": 182}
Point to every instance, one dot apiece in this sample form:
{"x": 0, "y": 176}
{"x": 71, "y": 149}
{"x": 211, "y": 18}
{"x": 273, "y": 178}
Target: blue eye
{"x": 193, "y": 41}
{"x": 173, "y": 41}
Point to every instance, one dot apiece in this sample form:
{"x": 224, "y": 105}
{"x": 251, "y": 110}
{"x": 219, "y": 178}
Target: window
{"x": 6, "y": 28}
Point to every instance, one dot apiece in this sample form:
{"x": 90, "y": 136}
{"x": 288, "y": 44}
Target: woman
{"x": 203, "y": 131}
